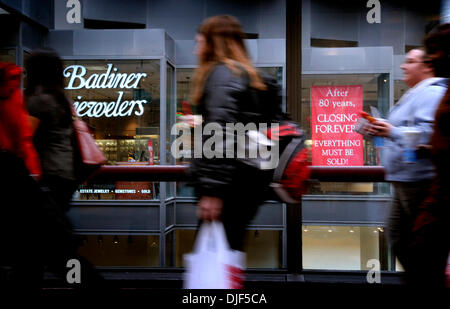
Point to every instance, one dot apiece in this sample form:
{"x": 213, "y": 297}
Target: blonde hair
{"x": 224, "y": 43}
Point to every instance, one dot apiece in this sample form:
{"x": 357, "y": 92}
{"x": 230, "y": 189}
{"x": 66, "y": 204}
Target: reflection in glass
{"x": 8, "y": 55}
{"x": 120, "y": 101}
{"x": 118, "y": 190}
{"x": 263, "y": 247}
{"x": 184, "y": 106}
{"x": 347, "y": 188}
{"x": 344, "y": 247}
{"x": 121, "y": 125}
{"x": 375, "y": 94}
{"x": 121, "y": 250}
{"x": 170, "y": 121}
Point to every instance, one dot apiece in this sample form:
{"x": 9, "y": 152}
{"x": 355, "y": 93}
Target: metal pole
{"x": 293, "y": 100}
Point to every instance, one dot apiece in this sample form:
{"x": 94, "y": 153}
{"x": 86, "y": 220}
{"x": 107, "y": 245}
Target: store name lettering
{"x": 108, "y": 79}
{"x": 111, "y": 79}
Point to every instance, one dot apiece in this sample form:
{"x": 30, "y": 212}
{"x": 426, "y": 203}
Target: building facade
{"x": 129, "y": 68}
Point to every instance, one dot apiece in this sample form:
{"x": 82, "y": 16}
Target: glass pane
{"x": 184, "y": 106}
{"x": 399, "y": 89}
{"x": 344, "y": 247}
{"x": 170, "y": 112}
{"x": 170, "y": 121}
{"x": 348, "y": 188}
{"x": 275, "y": 72}
{"x": 119, "y": 100}
{"x": 8, "y": 55}
{"x": 263, "y": 247}
{"x": 375, "y": 94}
{"x": 121, "y": 250}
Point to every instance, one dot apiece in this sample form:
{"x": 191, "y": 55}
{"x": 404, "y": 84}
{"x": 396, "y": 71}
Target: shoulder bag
{"x": 88, "y": 156}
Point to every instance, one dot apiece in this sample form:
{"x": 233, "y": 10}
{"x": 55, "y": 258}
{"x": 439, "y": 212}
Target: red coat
{"x": 15, "y": 128}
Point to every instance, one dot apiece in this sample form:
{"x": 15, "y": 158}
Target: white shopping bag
{"x": 212, "y": 264}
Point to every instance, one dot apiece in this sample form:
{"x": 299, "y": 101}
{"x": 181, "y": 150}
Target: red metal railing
{"x": 293, "y": 215}
{"x": 179, "y": 173}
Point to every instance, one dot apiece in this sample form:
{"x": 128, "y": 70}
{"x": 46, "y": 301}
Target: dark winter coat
{"x": 228, "y": 98}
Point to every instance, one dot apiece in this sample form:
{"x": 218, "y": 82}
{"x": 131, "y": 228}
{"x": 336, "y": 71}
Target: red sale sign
{"x": 334, "y": 113}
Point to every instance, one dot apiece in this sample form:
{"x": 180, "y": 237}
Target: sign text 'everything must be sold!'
{"x": 334, "y": 113}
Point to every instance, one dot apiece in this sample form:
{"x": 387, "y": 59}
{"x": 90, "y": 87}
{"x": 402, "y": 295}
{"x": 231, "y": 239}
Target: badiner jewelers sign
{"x": 111, "y": 79}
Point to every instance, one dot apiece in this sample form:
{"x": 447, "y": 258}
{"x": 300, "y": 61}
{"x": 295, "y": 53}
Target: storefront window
{"x": 263, "y": 247}
{"x": 399, "y": 89}
{"x": 275, "y": 72}
{"x": 344, "y": 34}
{"x": 331, "y": 106}
{"x": 121, "y": 250}
{"x": 339, "y": 114}
{"x": 344, "y": 247}
{"x": 347, "y": 188}
{"x": 120, "y": 101}
{"x": 170, "y": 121}
{"x": 374, "y": 94}
{"x": 170, "y": 112}
{"x": 8, "y": 55}
{"x": 184, "y": 106}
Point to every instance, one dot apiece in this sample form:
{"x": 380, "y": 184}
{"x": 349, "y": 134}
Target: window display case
{"x": 120, "y": 102}
{"x": 122, "y": 151}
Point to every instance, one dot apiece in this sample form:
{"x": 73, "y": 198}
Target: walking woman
{"x": 54, "y": 139}
{"x": 225, "y": 84}
{"x": 20, "y": 193}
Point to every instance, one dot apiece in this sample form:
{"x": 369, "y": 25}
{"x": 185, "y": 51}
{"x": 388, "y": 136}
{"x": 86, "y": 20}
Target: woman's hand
{"x": 380, "y": 128}
{"x": 209, "y": 208}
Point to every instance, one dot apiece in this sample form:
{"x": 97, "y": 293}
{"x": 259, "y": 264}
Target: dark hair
{"x": 44, "y": 71}
{"x": 437, "y": 46}
{"x": 224, "y": 42}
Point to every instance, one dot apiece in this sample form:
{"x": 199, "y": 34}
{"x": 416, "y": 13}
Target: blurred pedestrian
{"x": 20, "y": 193}
{"x": 54, "y": 141}
{"x": 224, "y": 87}
{"x": 409, "y": 124}
{"x": 431, "y": 239}
{"x": 16, "y": 130}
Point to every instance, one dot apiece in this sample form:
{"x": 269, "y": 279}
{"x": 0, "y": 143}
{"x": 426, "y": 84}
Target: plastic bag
{"x": 212, "y": 264}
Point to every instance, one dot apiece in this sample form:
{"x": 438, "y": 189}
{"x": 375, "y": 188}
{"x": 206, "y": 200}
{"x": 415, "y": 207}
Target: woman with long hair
{"x": 225, "y": 84}
{"x": 52, "y": 115}
{"x": 54, "y": 141}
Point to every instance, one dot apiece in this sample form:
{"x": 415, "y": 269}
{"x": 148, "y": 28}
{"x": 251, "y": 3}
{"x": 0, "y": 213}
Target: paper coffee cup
{"x": 411, "y": 139}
